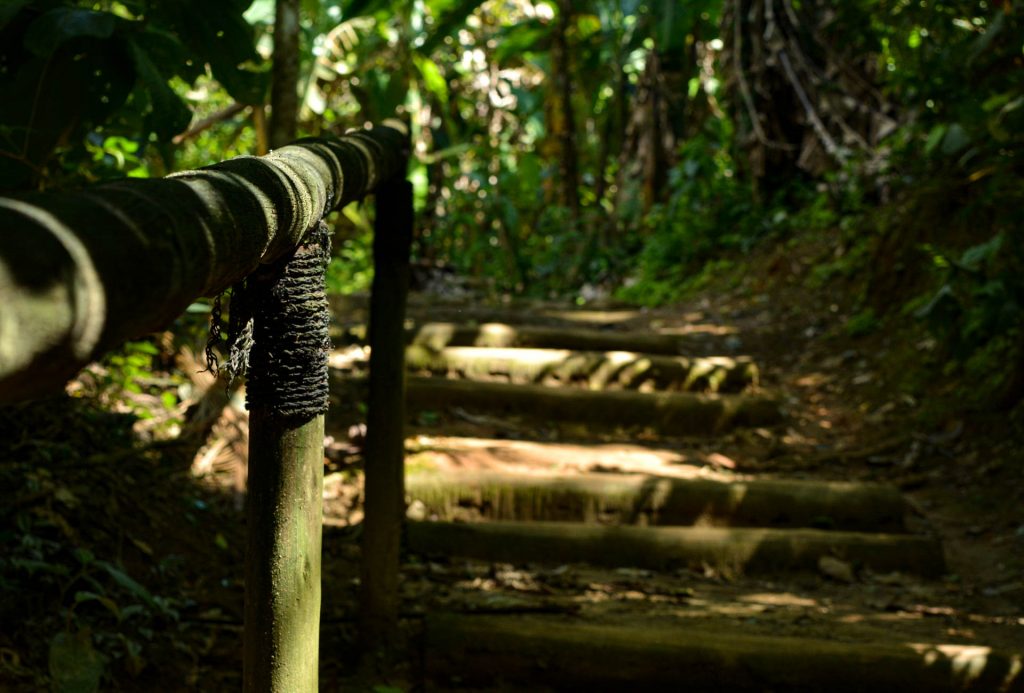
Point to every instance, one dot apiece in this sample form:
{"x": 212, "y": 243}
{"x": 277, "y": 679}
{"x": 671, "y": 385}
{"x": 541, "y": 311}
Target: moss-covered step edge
{"x": 641, "y": 499}
{"x": 593, "y": 370}
{"x": 547, "y": 654}
{"x": 667, "y": 413}
{"x": 731, "y": 551}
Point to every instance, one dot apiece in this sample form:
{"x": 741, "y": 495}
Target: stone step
{"x": 593, "y": 370}
{"x": 641, "y": 499}
{"x": 680, "y": 414}
{"x": 730, "y": 551}
{"x": 550, "y": 654}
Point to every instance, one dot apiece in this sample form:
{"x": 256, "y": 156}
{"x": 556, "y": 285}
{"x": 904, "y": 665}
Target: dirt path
{"x": 840, "y": 425}
{"x": 95, "y": 502}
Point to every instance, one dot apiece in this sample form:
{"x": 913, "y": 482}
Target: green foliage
{"x": 863, "y": 323}
{"x": 124, "y": 378}
{"x": 351, "y": 268}
{"x": 233, "y": 137}
{"x": 710, "y": 212}
{"x": 74, "y": 75}
{"x": 123, "y": 368}
{"x": 109, "y": 618}
{"x": 978, "y": 308}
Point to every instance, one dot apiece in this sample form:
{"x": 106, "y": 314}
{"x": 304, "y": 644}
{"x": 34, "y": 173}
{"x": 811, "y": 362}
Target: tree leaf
{"x": 109, "y": 603}
{"x": 128, "y": 583}
{"x": 169, "y": 55}
{"x": 9, "y": 9}
{"x": 58, "y": 25}
{"x": 448, "y": 24}
{"x": 979, "y": 255}
{"x": 433, "y": 80}
{"x": 217, "y": 33}
{"x": 956, "y": 139}
{"x": 358, "y": 8}
{"x": 260, "y": 12}
{"x": 934, "y": 138}
{"x": 168, "y": 115}
{"x": 524, "y": 37}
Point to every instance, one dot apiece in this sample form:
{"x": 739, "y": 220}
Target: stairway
{"x": 565, "y": 489}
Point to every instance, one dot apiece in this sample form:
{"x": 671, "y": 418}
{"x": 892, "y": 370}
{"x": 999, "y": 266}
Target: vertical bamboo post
{"x": 287, "y": 392}
{"x": 282, "y": 573}
{"x": 385, "y": 439}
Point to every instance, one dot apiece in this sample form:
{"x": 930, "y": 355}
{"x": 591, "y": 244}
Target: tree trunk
{"x": 385, "y": 440}
{"x": 569, "y": 164}
{"x": 802, "y": 99}
{"x": 284, "y": 96}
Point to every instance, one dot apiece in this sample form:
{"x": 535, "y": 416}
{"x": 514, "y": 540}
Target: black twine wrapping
{"x": 287, "y": 369}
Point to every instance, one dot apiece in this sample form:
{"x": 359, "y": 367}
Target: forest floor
{"x": 118, "y": 557}
{"x": 847, "y": 420}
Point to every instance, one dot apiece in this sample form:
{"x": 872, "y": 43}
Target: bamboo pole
{"x": 286, "y": 453}
{"x": 282, "y": 574}
{"x": 287, "y": 393}
{"x": 82, "y": 271}
{"x": 384, "y": 451}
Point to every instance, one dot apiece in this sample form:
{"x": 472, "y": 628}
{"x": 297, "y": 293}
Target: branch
{"x": 208, "y": 122}
{"x": 819, "y": 128}
{"x": 815, "y": 76}
{"x": 748, "y": 99}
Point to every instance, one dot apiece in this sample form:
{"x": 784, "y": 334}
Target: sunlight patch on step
{"x": 778, "y": 599}
{"x": 552, "y": 458}
{"x": 699, "y": 328}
